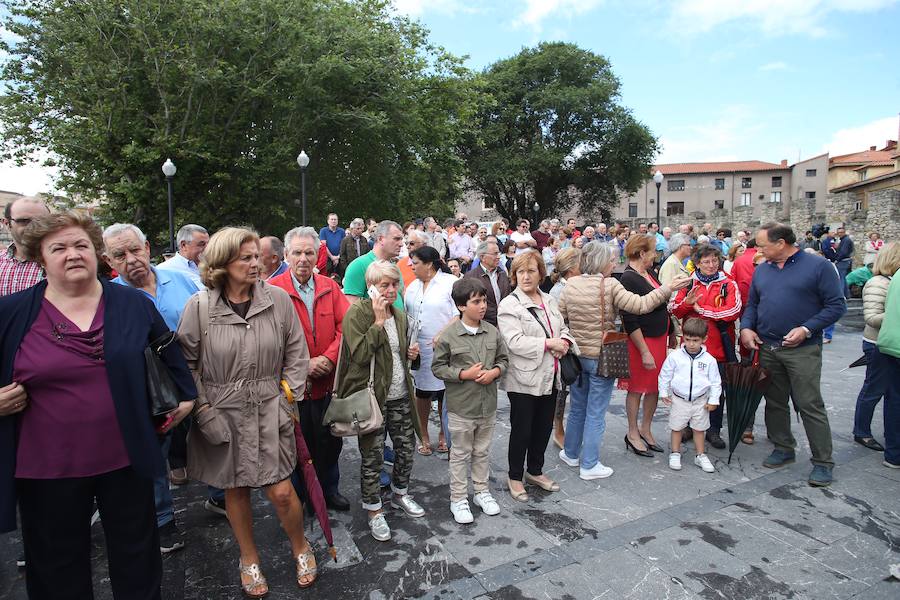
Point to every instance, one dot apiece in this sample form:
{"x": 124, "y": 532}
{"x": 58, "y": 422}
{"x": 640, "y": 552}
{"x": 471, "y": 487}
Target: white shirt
{"x": 188, "y": 267}
{"x": 676, "y": 376}
{"x": 517, "y": 237}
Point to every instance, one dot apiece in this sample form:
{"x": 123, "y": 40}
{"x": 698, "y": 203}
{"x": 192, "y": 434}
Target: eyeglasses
{"x": 24, "y": 222}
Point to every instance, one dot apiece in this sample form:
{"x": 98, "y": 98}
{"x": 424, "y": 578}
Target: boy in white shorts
{"x": 689, "y": 381}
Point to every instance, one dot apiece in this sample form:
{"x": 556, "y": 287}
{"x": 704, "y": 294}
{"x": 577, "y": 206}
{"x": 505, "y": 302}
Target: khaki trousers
{"x": 471, "y": 443}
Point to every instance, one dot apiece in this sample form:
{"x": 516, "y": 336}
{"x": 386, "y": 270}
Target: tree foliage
{"x": 232, "y": 90}
{"x": 549, "y": 128}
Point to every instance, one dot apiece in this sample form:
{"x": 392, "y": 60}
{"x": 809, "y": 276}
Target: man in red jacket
{"x": 320, "y": 306}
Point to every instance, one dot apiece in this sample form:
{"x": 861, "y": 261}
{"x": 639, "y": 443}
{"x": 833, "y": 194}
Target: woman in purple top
{"x": 75, "y": 424}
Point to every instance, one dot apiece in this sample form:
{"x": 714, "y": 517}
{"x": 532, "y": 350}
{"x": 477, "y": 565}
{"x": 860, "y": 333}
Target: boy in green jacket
{"x": 469, "y": 356}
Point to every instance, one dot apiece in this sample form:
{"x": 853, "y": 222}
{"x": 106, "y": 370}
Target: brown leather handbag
{"x": 613, "y": 358}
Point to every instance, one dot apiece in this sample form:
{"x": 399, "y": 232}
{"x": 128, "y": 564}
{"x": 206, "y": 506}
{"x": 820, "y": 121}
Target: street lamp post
{"x": 169, "y": 170}
{"x": 536, "y": 207}
{"x": 657, "y": 179}
{"x": 303, "y": 161}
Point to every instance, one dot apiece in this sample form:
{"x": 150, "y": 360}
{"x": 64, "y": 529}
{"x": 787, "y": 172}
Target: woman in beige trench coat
{"x": 244, "y": 436}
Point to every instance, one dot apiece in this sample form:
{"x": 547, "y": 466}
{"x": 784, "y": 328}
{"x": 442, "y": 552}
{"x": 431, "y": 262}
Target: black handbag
{"x": 162, "y": 392}
{"x": 569, "y": 365}
{"x": 613, "y": 360}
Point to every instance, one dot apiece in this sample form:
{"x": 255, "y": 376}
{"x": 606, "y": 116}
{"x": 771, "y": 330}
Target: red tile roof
{"x": 875, "y": 163}
{"x": 740, "y": 166}
{"x": 859, "y": 158}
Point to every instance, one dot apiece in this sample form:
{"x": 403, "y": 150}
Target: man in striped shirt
{"x": 17, "y": 273}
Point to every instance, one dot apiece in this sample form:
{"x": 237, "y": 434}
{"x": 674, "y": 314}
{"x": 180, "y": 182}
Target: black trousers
{"x": 56, "y": 530}
{"x": 178, "y": 449}
{"x": 324, "y": 448}
{"x": 531, "y": 420}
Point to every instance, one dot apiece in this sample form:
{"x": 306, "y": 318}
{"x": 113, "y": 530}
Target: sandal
{"x": 424, "y": 449}
{"x": 257, "y": 586}
{"x": 442, "y": 448}
{"x": 543, "y": 482}
{"x": 518, "y": 496}
{"x": 305, "y": 570}
{"x": 747, "y": 438}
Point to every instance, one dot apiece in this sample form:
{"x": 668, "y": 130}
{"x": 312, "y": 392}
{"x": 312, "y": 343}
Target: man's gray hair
{"x": 554, "y": 221}
{"x": 482, "y": 248}
{"x": 120, "y": 228}
{"x": 186, "y": 234}
{"x": 303, "y": 232}
{"x": 357, "y": 222}
{"x": 595, "y": 257}
{"x": 275, "y": 246}
{"x": 678, "y": 240}
{"x": 429, "y": 220}
{"x": 384, "y": 228}
{"x": 419, "y": 235}
{"x": 545, "y": 222}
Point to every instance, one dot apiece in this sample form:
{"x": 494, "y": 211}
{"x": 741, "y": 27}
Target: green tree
{"x": 549, "y": 128}
{"x": 232, "y": 90}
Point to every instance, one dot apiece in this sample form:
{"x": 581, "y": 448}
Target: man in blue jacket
{"x": 843, "y": 258}
{"x": 793, "y": 297}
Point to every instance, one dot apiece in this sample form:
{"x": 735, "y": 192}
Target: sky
{"x": 715, "y": 80}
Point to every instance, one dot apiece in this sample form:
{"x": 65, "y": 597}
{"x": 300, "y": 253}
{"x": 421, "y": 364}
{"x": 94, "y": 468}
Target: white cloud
{"x": 30, "y": 179}
{"x": 774, "y": 66}
{"x": 721, "y": 138}
{"x": 857, "y": 139}
{"x": 415, "y": 8}
{"x": 536, "y": 11}
{"x": 773, "y": 17}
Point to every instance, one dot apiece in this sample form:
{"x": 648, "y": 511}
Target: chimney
{"x": 872, "y": 148}
{"x": 783, "y": 162}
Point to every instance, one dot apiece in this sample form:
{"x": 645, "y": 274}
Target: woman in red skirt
{"x": 647, "y": 341}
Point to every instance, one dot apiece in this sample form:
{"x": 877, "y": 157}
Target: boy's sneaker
{"x": 216, "y": 506}
{"x": 675, "y": 461}
{"x": 702, "y": 461}
{"x": 407, "y": 505}
{"x": 388, "y": 456}
{"x": 379, "y": 528}
{"x": 461, "y": 512}
{"x": 486, "y": 503}
{"x": 598, "y": 471}
{"x": 384, "y": 480}
{"x": 170, "y": 538}
{"x": 572, "y": 462}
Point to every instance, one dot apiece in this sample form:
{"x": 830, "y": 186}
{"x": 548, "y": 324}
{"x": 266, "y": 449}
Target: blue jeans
{"x": 444, "y": 426}
{"x": 843, "y": 267}
{"x": 165, "y": 505}
{"x": 872, "y": 390}
{"x": 588, "y": 400}
{"x": 892, "y": 409}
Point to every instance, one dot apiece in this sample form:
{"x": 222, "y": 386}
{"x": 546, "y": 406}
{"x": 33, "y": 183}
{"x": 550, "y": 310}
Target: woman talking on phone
{"x": 74, "y": 421}
{"x": 375, "y": 331}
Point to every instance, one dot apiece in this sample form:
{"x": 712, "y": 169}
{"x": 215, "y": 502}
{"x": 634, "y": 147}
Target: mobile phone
{"x": 165, "y": 421}
{"x": 373, "y": 292}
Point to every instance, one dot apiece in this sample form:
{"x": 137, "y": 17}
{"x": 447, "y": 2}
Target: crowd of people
{"x": 424, "y": 316}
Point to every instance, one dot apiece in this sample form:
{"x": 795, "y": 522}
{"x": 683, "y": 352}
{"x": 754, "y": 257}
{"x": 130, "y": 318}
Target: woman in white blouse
{"x": 429, "y": 307}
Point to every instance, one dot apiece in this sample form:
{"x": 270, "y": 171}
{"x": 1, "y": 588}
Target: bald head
{"x": 20, "y": 213}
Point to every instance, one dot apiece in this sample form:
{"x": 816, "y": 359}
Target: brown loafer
{"x": 178, "y": 476}
{"x": 543, "y": 482}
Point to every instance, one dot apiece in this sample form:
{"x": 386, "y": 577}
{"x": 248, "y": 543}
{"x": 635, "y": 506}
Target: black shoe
{"x": 215, "y": 506}
{"x": 20, "y": 562}
{"x": 715, "y": 440}
{"x": 651, "y": 447}
{"x": 170, "y": 538}
{"x": 336, "y": 501}
{"x": 870, "y": 443}
{"x": 630, "y": 446}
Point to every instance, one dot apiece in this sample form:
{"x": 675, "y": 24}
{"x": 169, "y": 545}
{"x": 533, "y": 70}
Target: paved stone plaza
{"x": 648, "y": 532}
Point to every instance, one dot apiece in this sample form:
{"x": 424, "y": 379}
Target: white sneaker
{"x": 572, "y": 462}
{"x": 379, "y": 528}
{"x": 486, "y": 503}
{"x": 598, "y": 471}
{"x": 702, "y": 461}
{"x": 675, "y": 461}
{"x": 461, "y": 511}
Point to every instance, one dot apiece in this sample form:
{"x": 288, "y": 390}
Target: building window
{"x": 720, "y": 203}
{"x": 632, "y": 209}
{"x": 675, "y": 185}
{"x": 776, "y": 182}
{"x": 745, "y": 199}
{"x": 746, "y": 182}
{"x": 487, "y": 203}
{"x": 675, "y": 208}
{"x": 810, "y": 172}
{"x": 859, "y": 205}
{"x": 720, "y": 184}
{"x": 810, "y": 195}
{"x": 775, "y": 197}
{"x": 863, "y": 175}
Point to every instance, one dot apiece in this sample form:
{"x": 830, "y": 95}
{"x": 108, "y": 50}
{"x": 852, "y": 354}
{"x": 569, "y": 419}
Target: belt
{"x": 703, "y": 396}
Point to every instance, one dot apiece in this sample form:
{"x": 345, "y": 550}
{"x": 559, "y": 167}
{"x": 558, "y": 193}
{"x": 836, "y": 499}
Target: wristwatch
{"x": 808, "y": 332}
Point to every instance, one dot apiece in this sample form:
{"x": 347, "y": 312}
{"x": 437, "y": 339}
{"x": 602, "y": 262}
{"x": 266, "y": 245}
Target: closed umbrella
{"x": 745, "y": 384}
{"x": 310, "y": 480}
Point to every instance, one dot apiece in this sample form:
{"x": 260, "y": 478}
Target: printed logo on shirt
{"x": 703, "y": 367}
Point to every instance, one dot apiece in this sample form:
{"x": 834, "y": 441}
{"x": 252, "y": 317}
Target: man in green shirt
{"x": 388, "y": 242}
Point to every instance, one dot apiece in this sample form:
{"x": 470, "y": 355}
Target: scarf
{"x": 705, "y": 279}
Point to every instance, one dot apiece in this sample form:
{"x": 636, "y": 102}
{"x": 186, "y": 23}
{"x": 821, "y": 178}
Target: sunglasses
{"x": 25, "y": 222}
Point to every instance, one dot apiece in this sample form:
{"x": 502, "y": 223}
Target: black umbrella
{"x": 745, "y": 384}
{"x": 862, "y": 361}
